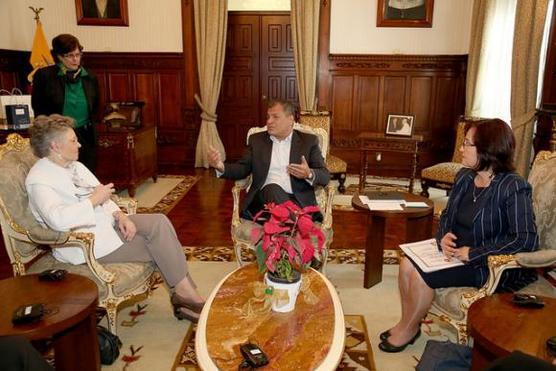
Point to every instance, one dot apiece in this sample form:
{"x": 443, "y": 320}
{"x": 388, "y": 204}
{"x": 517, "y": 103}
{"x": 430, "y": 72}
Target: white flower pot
{"x": 292, "y": 289}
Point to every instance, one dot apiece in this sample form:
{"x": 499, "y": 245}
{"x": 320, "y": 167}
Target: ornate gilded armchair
{"x": 442, "y": 175}
{"x": 450, "y": 305}
{"x": 335, "y": 165}
{"x": 27, "y": 242}
{"x": 241, "y": 228}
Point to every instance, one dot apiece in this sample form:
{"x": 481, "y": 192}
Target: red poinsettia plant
{"x": 288, "y": 241}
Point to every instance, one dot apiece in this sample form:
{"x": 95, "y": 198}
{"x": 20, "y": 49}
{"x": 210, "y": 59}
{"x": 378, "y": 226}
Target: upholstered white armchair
{"x": 450, "y": 305}
{"x": 241, "y": 228}
{"x": 27, "y": 242}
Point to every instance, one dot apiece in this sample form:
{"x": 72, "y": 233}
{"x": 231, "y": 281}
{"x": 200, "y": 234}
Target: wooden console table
{"x": 126, "y": 156}
{"x": 377, "y": 143}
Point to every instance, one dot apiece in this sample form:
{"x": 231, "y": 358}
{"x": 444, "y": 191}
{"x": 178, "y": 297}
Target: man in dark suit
{"x": 285, "y": 163}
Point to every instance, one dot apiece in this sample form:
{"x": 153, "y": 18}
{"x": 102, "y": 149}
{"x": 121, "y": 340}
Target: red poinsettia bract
{"x": 289, "y": 235}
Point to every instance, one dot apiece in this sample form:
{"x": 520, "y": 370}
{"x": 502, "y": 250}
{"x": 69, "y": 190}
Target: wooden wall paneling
{"x": 158, "y": 80}
{"x": 146, "y": 90}
{"x": 14, "y": 68}
{"x": 421, "y": 100}
{"x": 368, "y": 102}
{"x": 119, "y": 86}
{"x": 365, "y": 89}
{"x": 393, "y": 101}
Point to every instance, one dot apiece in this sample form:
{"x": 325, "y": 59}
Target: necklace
{"x": 476, "y": 196}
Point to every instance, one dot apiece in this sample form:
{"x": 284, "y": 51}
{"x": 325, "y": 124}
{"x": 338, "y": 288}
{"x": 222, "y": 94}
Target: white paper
{"x": 364, "y": 199}
{"x": 427, "y": 256}
{"x": 416, "y": 204}
{"x": 384, "y": 205}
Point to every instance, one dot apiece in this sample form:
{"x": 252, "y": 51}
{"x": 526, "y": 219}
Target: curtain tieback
{"x": 206, "y": 115}
{"x": 523, "y": 120}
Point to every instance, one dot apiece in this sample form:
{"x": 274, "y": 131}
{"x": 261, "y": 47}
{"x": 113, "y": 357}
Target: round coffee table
{"x": 418, "y": 227}
{"x": 311, "y": 337}
{"x": 70, "y": 323}
{"x": 499, "y": 327}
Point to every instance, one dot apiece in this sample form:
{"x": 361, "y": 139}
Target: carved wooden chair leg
{"x": 424, "y": 189}
{"x": 341, "y": 182}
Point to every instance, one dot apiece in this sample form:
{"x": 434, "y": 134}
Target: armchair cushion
{"x": 442, "y": 172}
{"x": 536, "y": 259}
{"x": 335, "y": 164}
{"x": 128, "y": 276}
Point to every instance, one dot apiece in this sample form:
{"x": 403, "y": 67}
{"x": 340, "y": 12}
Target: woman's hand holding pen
{"x": 101, "y": 193}
{"x": 450, "y": 249}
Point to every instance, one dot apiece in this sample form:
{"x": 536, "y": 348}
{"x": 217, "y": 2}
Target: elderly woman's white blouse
{"x": 58, "y": 198}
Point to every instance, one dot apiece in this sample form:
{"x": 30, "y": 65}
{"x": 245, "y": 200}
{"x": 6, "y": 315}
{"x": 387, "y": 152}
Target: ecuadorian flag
{"x": 40, "y": 53}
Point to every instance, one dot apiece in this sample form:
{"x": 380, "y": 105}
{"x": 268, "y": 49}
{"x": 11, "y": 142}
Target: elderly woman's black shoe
{"x": 180, "y": 314}
{"x": 179, "y": 301}
{"x": 384, "y": 335}
{"x": 385, "y": 346}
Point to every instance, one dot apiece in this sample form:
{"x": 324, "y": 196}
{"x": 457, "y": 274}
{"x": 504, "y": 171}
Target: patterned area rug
{"x": 358, "y": 354}
{"x": 170, "y": 199}
{"x": 338, "y": 256}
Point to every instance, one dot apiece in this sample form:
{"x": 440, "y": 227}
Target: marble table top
{"x": 310, "y": 337}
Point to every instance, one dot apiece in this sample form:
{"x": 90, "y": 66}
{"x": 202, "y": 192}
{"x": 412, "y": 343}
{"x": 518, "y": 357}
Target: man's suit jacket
{"x": 505, "y": 225}
{"x": 256, "y": 161}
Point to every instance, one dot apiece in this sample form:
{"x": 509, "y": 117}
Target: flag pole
{"x": 40, "y": 52}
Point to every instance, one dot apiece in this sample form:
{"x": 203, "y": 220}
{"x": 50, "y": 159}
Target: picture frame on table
{"x": 400, "y": 125}
{"x": 404, "y": 13}
{"x": 102, "y": 12}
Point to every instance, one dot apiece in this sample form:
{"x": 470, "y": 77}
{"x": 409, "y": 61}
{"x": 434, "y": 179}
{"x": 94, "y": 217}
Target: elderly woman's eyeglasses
{"x": 468, "y": 143}
{"x": 72, "y": 55}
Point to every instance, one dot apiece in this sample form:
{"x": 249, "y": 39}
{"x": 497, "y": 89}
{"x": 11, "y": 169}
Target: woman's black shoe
{"x": 384, "y": 335}
{"x": 385, "y": 346}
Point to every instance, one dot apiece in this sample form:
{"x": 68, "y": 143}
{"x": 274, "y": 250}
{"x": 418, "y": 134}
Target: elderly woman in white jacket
{"x": 65, "y": 196}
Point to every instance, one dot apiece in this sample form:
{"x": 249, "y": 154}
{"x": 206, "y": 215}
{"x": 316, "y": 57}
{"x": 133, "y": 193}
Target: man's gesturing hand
{"x": 302, "y": 170}
{"x": 214, "y": 159}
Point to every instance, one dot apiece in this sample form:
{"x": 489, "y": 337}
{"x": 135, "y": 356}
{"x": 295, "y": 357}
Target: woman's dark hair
{"x": 65, "y": 43}
{"x": 45, "y": 130}
{"x": 495, "y": 144}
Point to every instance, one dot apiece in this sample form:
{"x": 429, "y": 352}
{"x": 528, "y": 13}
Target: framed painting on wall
{"x": 102, "y": 12}
{"x": 404, "y": 13}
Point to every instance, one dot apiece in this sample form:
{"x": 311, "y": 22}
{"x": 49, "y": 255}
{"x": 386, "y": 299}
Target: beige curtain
{"x": 211, "y": 18}
{"x": 529, "y": 26}
{"x": 475, "y": 54}
{"x": 305, "y": 29}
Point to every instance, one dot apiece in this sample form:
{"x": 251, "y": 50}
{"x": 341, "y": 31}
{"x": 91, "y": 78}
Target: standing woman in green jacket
{"x": 69, "y": 89}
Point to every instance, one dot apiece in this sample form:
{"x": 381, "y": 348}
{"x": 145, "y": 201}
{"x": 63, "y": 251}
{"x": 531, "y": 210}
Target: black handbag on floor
{"x": 109, "y": 345}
